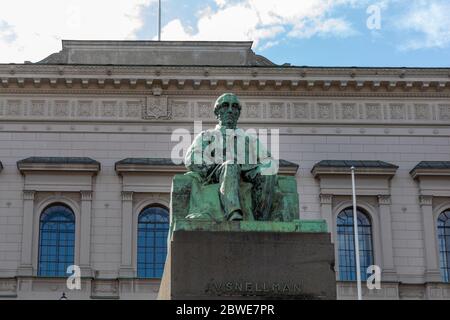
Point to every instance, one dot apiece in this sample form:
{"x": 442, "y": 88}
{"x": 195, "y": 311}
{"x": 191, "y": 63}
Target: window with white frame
{"x": 346, "y": 244}
{"x": 153, "y": 228}
{"x": 56, "y": 240}
{"x": 443, "y": 231}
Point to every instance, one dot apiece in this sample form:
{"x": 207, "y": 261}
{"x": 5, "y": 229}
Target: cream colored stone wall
{"x": 318, "y": 120}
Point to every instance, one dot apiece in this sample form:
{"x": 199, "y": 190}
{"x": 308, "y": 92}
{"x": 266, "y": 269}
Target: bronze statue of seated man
{"x": 228, "y": 155}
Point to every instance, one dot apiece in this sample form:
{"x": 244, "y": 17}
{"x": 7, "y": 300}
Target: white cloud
{"x": 431, "y": 20}
{"x": 263, "y": 20}
{"x": 328, "y": 27}
{"x": 175, "y": 30}
{"x": 7, "y": 33}
{"x": 31, "y": 30}
{"x": 220, "y": 3}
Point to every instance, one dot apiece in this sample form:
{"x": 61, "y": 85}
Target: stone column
{"x": 388, "y": 267}
{"x": 85, "y": 233}
{"x": 327, "y": 212}
{"x": 432, "y": 273}
{"x": 26, "y": 264}
{"x": 126, "y": 267}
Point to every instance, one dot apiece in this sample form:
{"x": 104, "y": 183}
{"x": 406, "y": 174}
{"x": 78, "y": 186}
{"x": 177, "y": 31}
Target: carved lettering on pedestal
{"x": 254, "y": 288}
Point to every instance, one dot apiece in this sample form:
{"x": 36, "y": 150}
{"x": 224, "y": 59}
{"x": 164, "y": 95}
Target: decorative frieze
{"x": 422, "y": 112}
{"x": 301, "y": 111}
{"x": 397, "y": 111}
{"x": 277, "y": 111}
{"x": 444, "y": 112}
{"x": 325, "y": 111}
{"x": 109, "y": 109}
{"x": 253, "y": 110}
{"x": 180, "y": 109}
{"x": 167, "y": 108}
{"x": 349, "y": 111}
{"x": 205, "y": 110}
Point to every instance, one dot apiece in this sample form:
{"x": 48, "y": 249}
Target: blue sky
{"x": 389, "y": 33}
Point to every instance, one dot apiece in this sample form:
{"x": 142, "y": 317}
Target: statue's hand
{"x": 251, "y": 175}
{"x": 202, "y": 170}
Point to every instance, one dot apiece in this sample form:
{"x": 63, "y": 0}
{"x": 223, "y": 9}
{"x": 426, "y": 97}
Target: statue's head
{"x": 227, "y": 110}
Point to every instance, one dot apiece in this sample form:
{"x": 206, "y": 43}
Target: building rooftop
{"x": 195, "y": 53}
{"x": 59, "y": 160}
{"x": 433, "y": 165}
{"x": 354, "y": 163}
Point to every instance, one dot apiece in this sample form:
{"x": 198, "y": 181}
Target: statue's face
{"x": 228, "y": 111}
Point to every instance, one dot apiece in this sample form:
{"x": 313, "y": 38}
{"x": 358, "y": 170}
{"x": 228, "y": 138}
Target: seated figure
{"x": 231, "y": 176}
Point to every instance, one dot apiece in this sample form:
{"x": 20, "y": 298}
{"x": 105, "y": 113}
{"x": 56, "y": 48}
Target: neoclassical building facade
{"x": 86, "y": 162}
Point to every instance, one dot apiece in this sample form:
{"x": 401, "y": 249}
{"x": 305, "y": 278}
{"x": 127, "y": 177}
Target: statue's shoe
{"x": 236, "y": 216}
{"x": 200, "y": 216}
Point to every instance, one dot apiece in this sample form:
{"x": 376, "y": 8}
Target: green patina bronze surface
{"x": 233, "y": 195}
{"x": 192, "y": 200}
{"x": 255, "y": 226}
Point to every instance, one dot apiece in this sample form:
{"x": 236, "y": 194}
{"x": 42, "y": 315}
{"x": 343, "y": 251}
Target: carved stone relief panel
{"x": 109, "y": 109}
{"x": 85, "y": 109}
{"x": 253, "y": 110}
{"x": 205, "y": 110}
{"x": 133, "y": 109}
{"x": 397, "y": 111}
{"x": 37, "y": 108}
{"x": 349, "y": 111}
{"x": 444, "y": 112}
{"x": 325, "y": 111}
{"x": 180, "y": 109}
{"x": 422, "y": 112}
{"x": 157, "y": 108}
{"x": 301, "y": 111}
{"x": 373, "y": 111}
{"x": 61, "y": 108}
{"x": 277, "y": 110}
{"x": 13, "y": 108}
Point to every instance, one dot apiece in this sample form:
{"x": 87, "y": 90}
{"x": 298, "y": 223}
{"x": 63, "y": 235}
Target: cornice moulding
{"x": 136, "y": 168}
{"x": 319, "y": 171}
{"x": 43, "y": 167}
{"x": 417, "y": 173}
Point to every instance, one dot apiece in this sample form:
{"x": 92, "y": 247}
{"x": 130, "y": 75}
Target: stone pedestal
{"x": 248, "y": 265}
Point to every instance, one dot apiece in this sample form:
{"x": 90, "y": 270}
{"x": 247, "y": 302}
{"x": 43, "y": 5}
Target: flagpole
{"x": 355, "y": 228}
{"x": 159, "y": 20}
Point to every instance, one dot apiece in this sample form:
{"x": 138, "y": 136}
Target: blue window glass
{"x": 56, "y": 241}
{"x": 153, "y": 227}
{"x": 443, "y": 226}
{"x": 346, "y": 244}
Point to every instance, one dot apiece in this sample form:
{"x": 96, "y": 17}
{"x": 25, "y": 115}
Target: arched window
{"x": 346, "y": 244}
{"x": 153, "y": 227}
{"x": 56, "y": 241}
{"x": 443, "y": 226}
